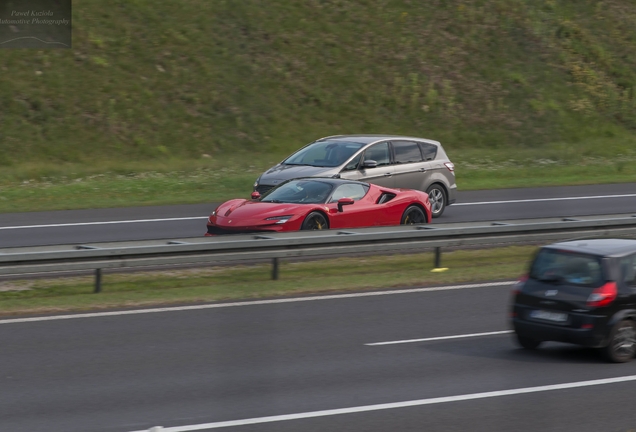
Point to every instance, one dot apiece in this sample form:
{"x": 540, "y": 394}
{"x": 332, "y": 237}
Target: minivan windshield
{"x": 327, "y": 153}
{"x": 565, "y": 267}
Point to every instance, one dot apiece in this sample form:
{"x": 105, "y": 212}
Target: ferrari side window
{"x": 349, "y": 190}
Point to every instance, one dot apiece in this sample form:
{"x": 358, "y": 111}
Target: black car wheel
{"x": 437, "y": 198}
{"x": 622, "y": 344}
{"x": 315, "y": 221}
{"x": 413, "y": 215}
{"x": 528, "y": 343}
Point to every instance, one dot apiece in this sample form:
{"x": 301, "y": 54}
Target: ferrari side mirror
{"x": 343, "y": 202}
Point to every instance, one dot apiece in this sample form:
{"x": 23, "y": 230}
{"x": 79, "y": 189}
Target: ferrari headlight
{"x": 279, "y": 219}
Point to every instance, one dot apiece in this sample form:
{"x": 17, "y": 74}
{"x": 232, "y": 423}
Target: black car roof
{"x": 369, "y": 138}
{"x": 603, "y": 247}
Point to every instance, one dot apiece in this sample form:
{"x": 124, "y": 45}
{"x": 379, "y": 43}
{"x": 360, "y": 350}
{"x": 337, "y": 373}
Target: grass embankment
{"x": 226, "y": 283}
{"x": 156, "y": 99}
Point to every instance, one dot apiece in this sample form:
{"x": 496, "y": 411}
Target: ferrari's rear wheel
{"x": 413, "y": 215}
{"x": 315, "y": 221}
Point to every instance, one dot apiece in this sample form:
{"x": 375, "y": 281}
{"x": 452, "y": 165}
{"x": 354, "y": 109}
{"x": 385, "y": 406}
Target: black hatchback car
{"x": 582, "y": 292}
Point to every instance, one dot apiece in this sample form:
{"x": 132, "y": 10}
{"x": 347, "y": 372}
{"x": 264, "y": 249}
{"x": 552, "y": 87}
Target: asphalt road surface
{"x": 436, "y": 360}
{"x": 146, "y": 223}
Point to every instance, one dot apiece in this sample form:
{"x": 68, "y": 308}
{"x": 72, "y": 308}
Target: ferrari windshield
{"x": 324, "y": 154}
{"x": 300, "y": 192}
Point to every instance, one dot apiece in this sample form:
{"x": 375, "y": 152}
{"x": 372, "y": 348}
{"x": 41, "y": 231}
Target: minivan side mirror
{"x": 369, "y": 164}
{"x": 256, "y": 195}
{"x": 343, "y": 202}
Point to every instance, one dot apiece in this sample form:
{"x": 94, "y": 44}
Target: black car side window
{"x": 628, "y": 270}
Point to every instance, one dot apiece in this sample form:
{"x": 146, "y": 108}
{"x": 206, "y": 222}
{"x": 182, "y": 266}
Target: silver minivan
{"x": 387, "y": 160}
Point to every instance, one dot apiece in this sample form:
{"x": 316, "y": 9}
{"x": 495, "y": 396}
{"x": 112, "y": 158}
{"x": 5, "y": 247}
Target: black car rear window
{"x": 572, "y": 268}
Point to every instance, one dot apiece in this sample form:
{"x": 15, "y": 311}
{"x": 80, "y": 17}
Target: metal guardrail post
{"x": 438, "y": 257}
{"x": 275, "y": 268}
{"x": 98, "y": 281}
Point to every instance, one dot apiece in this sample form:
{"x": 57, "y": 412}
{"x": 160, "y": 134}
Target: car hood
{"x": 252, "y": 213}
{"x": 281, "y": 172}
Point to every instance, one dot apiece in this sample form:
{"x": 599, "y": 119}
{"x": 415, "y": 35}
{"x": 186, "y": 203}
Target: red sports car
{"x": 320, "y": 203}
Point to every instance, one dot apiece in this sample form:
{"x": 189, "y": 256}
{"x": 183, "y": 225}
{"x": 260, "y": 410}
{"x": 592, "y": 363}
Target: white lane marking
{"x": 256, "y": 302}
{"x": 545, "y": 199}
{"x": 103, "y": 223}
{"x": 411, "y": 403}
{"x": 439, "y": 338}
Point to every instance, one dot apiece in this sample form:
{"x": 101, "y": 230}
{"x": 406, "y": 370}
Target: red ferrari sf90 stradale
{"x": 320, "y": 203}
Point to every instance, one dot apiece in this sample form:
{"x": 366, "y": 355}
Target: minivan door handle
{"x": 422, "y": 170}
{"x": 388, "y": 174}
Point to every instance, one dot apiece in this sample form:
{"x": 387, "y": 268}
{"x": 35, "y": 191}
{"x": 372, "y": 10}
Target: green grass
{"x": 250, "y": 282}
{"x": 190, "y": 182}
{"x": 546, "y": 90}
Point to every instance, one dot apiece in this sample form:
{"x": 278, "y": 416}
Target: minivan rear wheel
{"x": 437, "y": 198}
{"x": 528, "y": 343}
{"x": 622, "y": 342}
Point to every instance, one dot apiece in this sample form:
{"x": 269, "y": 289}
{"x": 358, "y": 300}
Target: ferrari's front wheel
{"x": 315, "y": 221}
{"x": 413, "y": 215}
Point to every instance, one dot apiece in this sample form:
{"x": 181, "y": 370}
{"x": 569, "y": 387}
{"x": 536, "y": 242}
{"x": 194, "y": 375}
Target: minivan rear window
{"x": 560, "y": 266}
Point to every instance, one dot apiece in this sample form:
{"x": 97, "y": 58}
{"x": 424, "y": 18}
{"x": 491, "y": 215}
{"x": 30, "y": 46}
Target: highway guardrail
{"x": 274, "y": 246}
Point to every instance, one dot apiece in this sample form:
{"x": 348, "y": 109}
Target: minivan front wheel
{"x": 437, "y": 198}
{"x": 622, "y": 343}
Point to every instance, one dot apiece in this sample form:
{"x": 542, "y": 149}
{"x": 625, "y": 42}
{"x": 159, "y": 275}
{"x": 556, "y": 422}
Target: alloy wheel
{"x": 437, "y": 199}
{"x": 413, "y": 215}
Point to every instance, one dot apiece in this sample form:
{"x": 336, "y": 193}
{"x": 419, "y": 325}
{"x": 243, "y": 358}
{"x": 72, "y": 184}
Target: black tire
{"x": 315, "y": 221}
{"x": 413, "y": 215}
{"x": 528, "y": 343}
{"x": 622, "y": 342}
{"x": 437, "y": 198}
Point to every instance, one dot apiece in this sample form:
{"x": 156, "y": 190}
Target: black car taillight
{"x": 604, "y": 295}
{"x": 516, "y": 289}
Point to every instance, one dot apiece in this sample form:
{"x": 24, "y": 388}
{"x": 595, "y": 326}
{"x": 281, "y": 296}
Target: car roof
{"x": 335, "y": 181}
{"x": 371, "y": 138}
{"x": 604, "y": 247}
